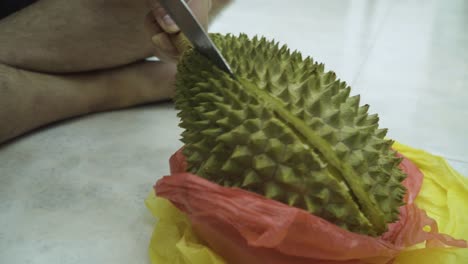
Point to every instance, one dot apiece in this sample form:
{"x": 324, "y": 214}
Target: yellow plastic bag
{"x": 173, "y": 240}
{"x": 443, "y": 195}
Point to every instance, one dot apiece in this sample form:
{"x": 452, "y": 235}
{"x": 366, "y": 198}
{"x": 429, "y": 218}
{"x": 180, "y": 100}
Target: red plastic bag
{"x": 244, "y": 227}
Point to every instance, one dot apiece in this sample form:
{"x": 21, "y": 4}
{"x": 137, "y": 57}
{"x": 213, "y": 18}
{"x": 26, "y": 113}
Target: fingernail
{"x": 170, "y": 24}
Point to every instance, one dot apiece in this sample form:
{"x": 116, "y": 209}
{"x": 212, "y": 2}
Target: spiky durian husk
{"x": 286, "y": 129}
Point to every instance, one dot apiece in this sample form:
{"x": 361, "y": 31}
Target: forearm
{"x": 71, "y": 36}
{"x": 29, "y": 100}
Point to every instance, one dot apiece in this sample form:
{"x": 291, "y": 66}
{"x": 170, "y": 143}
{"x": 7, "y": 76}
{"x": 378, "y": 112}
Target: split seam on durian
{"x": 370, "y": 209}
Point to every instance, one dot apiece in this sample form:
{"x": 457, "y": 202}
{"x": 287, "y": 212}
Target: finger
{"x": 162, "y": 17}
{"x": 152, "y": 27}
{"x": 155, "y": 3}
{"x": 165, "y": 20}
{"x": 164, "y": 47}
{"x": 152, "y": 4}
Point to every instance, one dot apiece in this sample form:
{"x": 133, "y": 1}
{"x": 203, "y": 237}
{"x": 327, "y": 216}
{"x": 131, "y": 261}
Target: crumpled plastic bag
{"x": 247, "y": 228}
{"x": 173, "y": 240}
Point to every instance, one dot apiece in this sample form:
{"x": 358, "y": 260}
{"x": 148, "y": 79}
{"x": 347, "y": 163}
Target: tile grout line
{"x": 378, "y": 31}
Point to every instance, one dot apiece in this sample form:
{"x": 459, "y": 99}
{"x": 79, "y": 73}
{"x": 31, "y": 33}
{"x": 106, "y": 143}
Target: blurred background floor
{"x": 74, "y": 192}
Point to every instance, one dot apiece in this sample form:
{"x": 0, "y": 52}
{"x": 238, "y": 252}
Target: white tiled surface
{"x": 73, "y": 193}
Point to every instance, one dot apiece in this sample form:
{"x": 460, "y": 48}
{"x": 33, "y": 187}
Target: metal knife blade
{"x": 182, "y": 15}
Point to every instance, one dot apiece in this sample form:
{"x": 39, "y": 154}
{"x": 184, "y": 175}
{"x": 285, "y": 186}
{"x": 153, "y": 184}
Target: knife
{"x": 182, "y": 15}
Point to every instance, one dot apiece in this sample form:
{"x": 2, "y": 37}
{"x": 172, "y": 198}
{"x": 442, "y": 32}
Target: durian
{"x": 287, "y": 129}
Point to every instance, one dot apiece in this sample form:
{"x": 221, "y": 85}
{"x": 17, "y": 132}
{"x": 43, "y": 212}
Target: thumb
{"x": 200, "y": 9}
{"x": 180, "y": 42}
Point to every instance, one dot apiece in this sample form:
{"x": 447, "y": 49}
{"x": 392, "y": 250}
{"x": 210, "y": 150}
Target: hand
{"x": 165, "y": 34}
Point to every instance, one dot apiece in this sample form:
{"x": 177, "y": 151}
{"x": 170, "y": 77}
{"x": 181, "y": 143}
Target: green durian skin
{"x": 288, "y": 130}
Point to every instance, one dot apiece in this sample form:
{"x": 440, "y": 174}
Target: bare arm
{"x": 58, "y": 36}
{"x": 55, "y": 65}
{"x": 29, "y": 100}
